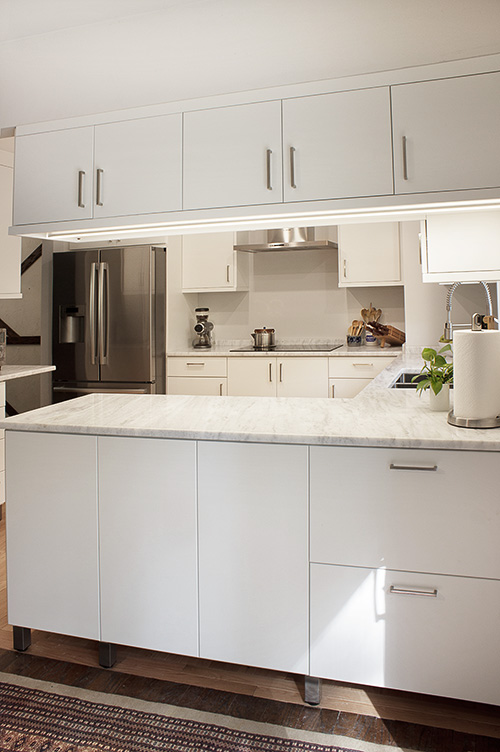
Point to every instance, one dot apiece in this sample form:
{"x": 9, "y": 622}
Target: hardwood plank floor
{"x": 204, "y": 684}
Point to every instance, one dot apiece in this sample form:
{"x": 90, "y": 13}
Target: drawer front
{"x": 357, "y": 367}
{"x": 416, "y": 632}
{"x": 209, "y": 386}
{"x": 446, "y": 520}
{"x": 196, "y": 366}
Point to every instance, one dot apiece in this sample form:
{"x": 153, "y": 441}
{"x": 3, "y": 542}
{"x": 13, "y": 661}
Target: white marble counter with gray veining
{"x": 378, "y": 416}
{"x": 7, "y": 373}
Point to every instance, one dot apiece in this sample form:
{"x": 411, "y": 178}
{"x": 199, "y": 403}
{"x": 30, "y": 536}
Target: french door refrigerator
{"x": 108, "y": 332}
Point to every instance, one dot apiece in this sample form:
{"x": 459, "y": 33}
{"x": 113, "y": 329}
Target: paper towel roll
{"x": 476, "y": 374}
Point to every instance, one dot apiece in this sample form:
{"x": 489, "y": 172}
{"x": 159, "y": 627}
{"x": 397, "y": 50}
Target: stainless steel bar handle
{"x": 363, "y": 365}
{"x": 228, "y": 269}
{"x": 81, "y": 188}
{"x": 345, "y": 268}
{"x": 92, "y": 316}
{"x": 268, "y": 169}
{"x": 405, "y": 157}
{"x": 98, "y": 199}
{"x": 424, "y": 592}
{"x": 333, "y": 391}
{"x": 281, "y": 372}
{"x": 425, "y": 468}
{"x": 270, "y": 372}
{"x": 103, "y": 312}
{"x": 220, "y": 389}
{"x": 195, "y": 364}
{"x": 292, "y": 167}
{"x": 82, "y": 390}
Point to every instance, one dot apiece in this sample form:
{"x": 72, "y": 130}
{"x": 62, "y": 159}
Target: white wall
{"x": 60, "y": 59}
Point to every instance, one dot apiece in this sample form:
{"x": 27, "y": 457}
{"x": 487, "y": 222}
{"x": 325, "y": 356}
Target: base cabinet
{"x": 253, "y": 554}
{"x": 148, "y": 542}
{"x": 277, "y": 377}
{"x": 404, "y": 630}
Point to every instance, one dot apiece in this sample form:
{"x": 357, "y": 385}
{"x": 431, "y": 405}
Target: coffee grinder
{"x": 203, "y": 329}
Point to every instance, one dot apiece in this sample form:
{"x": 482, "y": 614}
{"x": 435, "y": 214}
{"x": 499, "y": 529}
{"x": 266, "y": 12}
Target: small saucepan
{"x": 264, "y": 339}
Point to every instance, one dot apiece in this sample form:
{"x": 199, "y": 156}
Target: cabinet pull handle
{"x": 220, "y": 389}
{"x": 195, "y": 364}
{"x": 98, "y": 199}
{"x": 426, "y": 593}
{"x": 333, "y": 390}
{"x": 292, "y": 167}
{"x": 81, "y": 187}
{"x": 405, "y": 158}
{"x": 281, "y": 372}
{"x": 420, "y": 248}
{"x": 363, "y": 365}
{"x": 270, "y": 372}
{"x": 425, "y": 468}
{"x": 345, "y": 268}
{"x": 227, "y": 273}
{"x": 268, "y": 169}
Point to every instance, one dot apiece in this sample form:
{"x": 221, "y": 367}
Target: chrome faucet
{"x": 448, "y": 327}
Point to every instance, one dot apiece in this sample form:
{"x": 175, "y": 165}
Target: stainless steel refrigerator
{"x": 108, "y": 332}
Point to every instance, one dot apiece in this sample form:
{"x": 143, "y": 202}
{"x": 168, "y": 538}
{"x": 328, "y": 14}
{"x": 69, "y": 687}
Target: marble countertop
{"x": 377, "y": 417}
{"x": 7, "y": 373}
{"x": 226, "y": 349}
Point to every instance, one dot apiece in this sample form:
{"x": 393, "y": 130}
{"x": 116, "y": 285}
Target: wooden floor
{"x": 77, "y": 658}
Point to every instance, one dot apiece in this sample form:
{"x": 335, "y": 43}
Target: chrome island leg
{"x": 312, "y": 690}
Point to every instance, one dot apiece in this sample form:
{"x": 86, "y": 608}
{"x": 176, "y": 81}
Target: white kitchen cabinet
{"x": 445, "y": 134}
{"x": 211, "y": 386}
{"x": 147, "y": 543}
{"x": 138, "y": 166}
{"x": 346, "y": 388}
{"x": 338, "y": 145}
{"x": 277, "y": 377}
{"x": 10, "y": 246}
{"x": 405, "y": 630}
{"x": 253, "y": 554}
{"x": 2, "y": 447}
{"x": 197, "y": 375}
{"x": 232, "y": 156}
{"x": 52, "y": 578}
{"x": 349, "y": 375}
{"x": 53, "y": 176}
{"x": 369, "y": 254}
{"x": 210, "y": 263}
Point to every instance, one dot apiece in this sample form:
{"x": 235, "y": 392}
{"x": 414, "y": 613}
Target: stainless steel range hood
{"x": 289, "y": 239}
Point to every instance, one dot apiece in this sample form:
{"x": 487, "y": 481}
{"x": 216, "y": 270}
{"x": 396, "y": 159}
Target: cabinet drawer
{"x": 209, "y": 385}
{"x": 360, "y": 367}
{"x": 196, "y": 366}
{"x": 439, "y": 636}
{"x": 363, "y": 513}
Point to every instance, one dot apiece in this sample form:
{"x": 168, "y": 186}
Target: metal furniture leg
{"x": 107, "y": 654}
{"x": 312, "y": 690}
{"x": 22, "y": 638}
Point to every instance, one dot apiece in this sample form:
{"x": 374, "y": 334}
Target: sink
{"x": 404, "y": 380}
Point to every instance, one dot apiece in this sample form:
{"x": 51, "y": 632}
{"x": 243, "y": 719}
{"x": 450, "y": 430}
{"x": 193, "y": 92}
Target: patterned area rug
{"x": 34, "y": 720}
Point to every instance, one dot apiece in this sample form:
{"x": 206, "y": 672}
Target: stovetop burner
{"x": 289, "y": 348}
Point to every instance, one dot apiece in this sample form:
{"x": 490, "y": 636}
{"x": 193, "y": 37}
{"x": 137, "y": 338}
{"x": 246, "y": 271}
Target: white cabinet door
{"x": 302, "y": 377}
{"x": 147, "y": 521}
{"x": 253, "y": 554}
{"x": 10, "y": 246}
{"x": 346, "y": 388}
{"x": 251, "y": 376}
{"x": 211, "y": 386}
{"x": 52, "y": 579}
{"x": 439, "y": 636}
{"x": 369, "y": 254}
{"x": 138, "y": 166}
{"x": 451, "y": 132}
{"x": 232, "y": 156}
{"x": 53, "y": 176}
{"x": 338, "y": 145}
{"x": 209, "y": 262}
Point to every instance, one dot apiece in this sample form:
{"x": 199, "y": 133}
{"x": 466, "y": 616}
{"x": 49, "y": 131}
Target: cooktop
{"x": 289, "y": 348}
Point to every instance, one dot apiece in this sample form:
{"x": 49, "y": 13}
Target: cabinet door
{"x": 438, "y": 636}
{"x": 138, "y": 166}
{"x": 53, "y": 176}
{"x": 208, "y": 386}
{"x": 10, "y": 246}
{"x": 232, "y": 156}
{"x": 52, "y": 579}
{"x": 338, "y": 145}
{"x": 451, "y": 132}
{"x": 208, "y": 262}
{"x": 346, "y": 388}
{"x": 147, "y": 524}
{"x": 369, "y": 254}
{"x": 253, "y": 554}
{"x": 251, "y": 377}
{"x": 302, "y": 377}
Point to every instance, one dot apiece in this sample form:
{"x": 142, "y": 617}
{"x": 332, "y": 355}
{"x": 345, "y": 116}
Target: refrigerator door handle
{"x": 103, "y": 314}
{"x": 92, "y": 313}
{"x": 97, "y": 390}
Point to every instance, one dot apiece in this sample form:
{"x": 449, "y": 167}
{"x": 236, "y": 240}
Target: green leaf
{"x": 445, "y": 348}
{"x": 428, "y": 353}
{"x": 436, "y": 386}
{"x": 440, "y": 361}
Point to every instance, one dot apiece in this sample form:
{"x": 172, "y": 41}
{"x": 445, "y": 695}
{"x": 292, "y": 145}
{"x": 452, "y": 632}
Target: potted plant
{"x": 438, "y": 376}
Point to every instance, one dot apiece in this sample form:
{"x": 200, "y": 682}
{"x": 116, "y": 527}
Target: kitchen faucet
{"x": 448, "y": 327}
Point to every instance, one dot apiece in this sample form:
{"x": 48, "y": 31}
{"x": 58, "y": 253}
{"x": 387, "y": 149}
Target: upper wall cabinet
{"x": 136, "y": 170}
{"x": 232, "y": 156}
{"x": 369, "y": 254}
{"x": 210, "y": 263}
{"x": 10, "y": 246}
{"x": 338, "y": 145}
{"x": 446, "y": 134}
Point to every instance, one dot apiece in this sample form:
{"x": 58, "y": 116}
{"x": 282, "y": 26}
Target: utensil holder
{"x": 354, "y": 341}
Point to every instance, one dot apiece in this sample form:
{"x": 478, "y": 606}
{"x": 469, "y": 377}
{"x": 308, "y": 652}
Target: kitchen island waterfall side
{"x": 219, "y": 528}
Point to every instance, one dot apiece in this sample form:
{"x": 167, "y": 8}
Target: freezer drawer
{"x": 63, "y": 392}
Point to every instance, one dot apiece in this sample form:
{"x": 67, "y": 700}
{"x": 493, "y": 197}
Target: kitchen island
{"x": 343, "y": 539}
